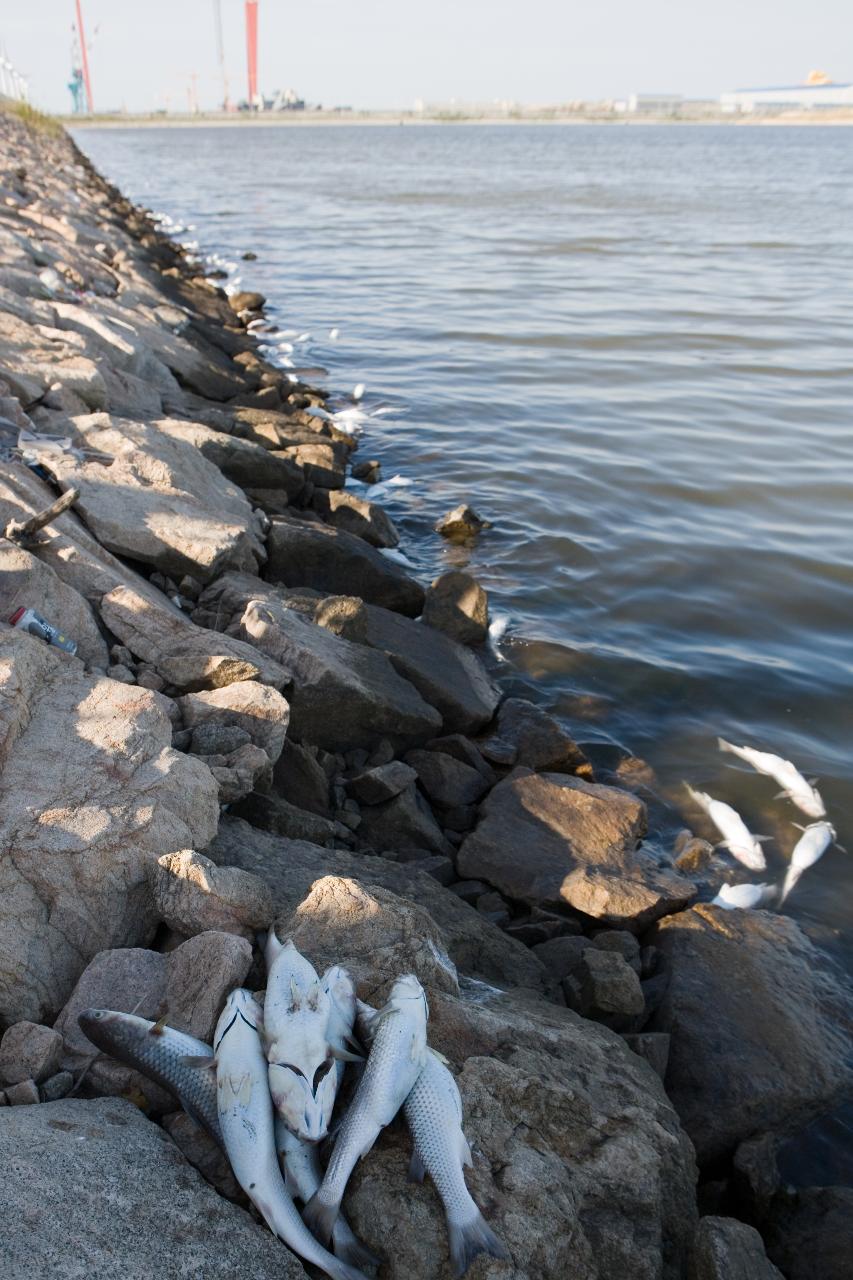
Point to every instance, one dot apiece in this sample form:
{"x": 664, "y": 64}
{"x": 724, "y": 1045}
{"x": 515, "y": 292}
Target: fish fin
{"x": 344, "y": 1055}
{"x": 813, "y": 782}
{"x": 355, "y": 1044}
{"x": 469, "y": 1239}
{"x": 417, "y": 1168}
{"x": 351, "y": 1250}
{"x": 320, "y": 1217}
{"x": 841, "y": 847}
{"x": 798, "y": 825}
{"x": 762, "y": 839}
{"x": 243, "y": 1092}
{"x": 782, "y": 795}
{"x": 725, "y": 746}
{"x": 465, "y": 1151}
{"x": 198, "y": 1062}
{"x": 440, "y": 1056}
{"x": 159, "y": 1026}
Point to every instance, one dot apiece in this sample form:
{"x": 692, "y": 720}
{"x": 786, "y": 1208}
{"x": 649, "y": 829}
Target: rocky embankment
{"x": 269, "y": 720}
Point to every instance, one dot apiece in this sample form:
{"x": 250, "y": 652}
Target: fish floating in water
{"x": 246, "y": 1119}
{"x": 744, "y": 897}
{"x": 737, "y": 838}
{"x": 396, "y": 1058}
{"x": 809, "y": 849}
{"x": 794, "y": 786}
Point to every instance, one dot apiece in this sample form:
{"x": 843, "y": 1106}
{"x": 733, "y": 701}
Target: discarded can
{"x": 36, "y": 625}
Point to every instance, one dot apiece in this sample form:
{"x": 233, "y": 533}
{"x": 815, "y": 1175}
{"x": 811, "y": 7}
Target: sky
{"x": 388, "y": 53}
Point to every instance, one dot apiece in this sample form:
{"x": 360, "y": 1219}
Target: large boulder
{"x": 290, "y": 868}
{"x": 725, "y": 1249}
{"x": 25, "y": 582}
{"x": 457, "y": 605}
{"x": 157, "y": 500}
{"x": 809, "y": 1233}
{"x": 760, "y": 1026}
{"x": 257, "y": 709}
{"x": 580, "y": 1165}
{"x": 526, "y": 735}
{"x": 63, "y": 1162}
{"x": 344, "y": 695}
{"x": 241, "y": 461}
{"x": 551, "y": 838}
{"x": 188, "y": 657}
{"x": 193, "y": 895}
{"x": 90, "y": 792}
{"x": 445, "y": 673}
{"x": 345, "y": 510}
{"x": 374, "y": 933}
{"x": 405, "y": 822}
{"x": 303, "y": 554}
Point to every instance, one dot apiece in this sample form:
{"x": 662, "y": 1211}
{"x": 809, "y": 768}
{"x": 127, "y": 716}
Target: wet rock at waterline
{"x": 457, "y": 605}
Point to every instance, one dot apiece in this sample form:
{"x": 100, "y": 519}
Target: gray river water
{"x": 630, "y": 349}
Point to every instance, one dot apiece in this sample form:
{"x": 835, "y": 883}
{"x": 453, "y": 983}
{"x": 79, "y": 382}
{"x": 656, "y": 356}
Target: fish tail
{"x": 340, "y": 1270}
{"x": 469, "y": 1239}
{"x": 320, "y": 1217}
{"x": 349, "y": 1249}
{"x": 726, "y": 746}
{"x": 792, "y": 875}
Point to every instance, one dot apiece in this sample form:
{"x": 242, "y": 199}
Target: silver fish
{"x": 811, "y": 846}
{"x": 393, "y": 1065}
{"x": 794, "y": 786}
{"x": 302, "y": 1076}
{"x": 303, "y": 1174}
{"x": 160, "y": 1052}
{"x": 246, "y": 1120}
{"x": 433, "y": 1112}
{"x": 737, "y": 838}
{"x": 744, "y": 897}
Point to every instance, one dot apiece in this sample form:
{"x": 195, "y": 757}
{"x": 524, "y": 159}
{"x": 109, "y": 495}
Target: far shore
{"x": 312, "y": 119}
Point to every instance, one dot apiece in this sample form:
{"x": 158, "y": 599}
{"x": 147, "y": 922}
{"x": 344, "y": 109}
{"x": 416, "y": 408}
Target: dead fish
{"x": 393, "y": 1065}
{"x": 302, "y": 1076}
{"x": 744, "y": 897}
{"x": 246, "y": 1119}
{"x": 809, "y": 849}
{"x": 160, "y": 1053}
{"x": 737, "y": 838}
{"x": 794, "y": 786}
{"x": 433, "y": 1112}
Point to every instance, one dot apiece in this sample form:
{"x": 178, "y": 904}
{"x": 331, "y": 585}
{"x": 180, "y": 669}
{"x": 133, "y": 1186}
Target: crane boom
{"x": 251, "y": 49}
{"x": 84, "y": 58}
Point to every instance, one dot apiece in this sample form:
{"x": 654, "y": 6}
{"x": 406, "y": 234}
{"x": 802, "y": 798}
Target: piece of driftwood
{"x": 23, "y": 531}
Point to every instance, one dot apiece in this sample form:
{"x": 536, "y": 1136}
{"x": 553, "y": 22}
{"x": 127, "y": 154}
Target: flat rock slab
{"x": 760, "y": 1026}
{"x": 188, "y": 657}
{"x": 303, "y": 554}
{"x": 93, "y": 1190}
{"x": 551, "y": 838}
{"x": 245, "y": 463}
{"x": 159, "y": 501}
{"x": 290, "y": 868}
{"x": 344, "y": 695}
{"x": 90, "y": 791}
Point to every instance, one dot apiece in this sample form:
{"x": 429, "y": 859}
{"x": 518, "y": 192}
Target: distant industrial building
{"x": 655, "y": 104}
{"x": 819, "y": 92}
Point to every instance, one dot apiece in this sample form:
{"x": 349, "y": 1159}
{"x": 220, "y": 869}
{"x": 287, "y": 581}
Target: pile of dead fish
{"x": 266, "y": 1092}
{"x": 746, "y": 847}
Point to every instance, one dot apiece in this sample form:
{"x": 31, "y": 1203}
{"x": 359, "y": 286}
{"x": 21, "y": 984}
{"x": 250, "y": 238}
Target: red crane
{"x": 251, "y": 48}
{"x": 87, "y": 83}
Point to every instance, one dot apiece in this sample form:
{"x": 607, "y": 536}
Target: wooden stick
{"x": 24, "y": 531}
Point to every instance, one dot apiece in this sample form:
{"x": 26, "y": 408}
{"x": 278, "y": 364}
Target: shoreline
{"x": 329, "y": 120}
{"x": 309, "y": 733}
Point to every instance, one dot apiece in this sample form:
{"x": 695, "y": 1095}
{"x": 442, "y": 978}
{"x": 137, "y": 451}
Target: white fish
{"x": 303, "y": 1173}
{"x": 433, "y": 1112}
{"x": 794, "y": 786}
{"x": 246, "y": 1120}
{"x": 334, "y": 334}
{"x": 744, "y": 896}
{"x": 302, "y": 1078}
{"x": 358, "y": 391}
{"x": 809, "y": 849}
{"x": 394, "y": 553}
{"x": 737, "y": 838}
{"x": 395, "y": 1061}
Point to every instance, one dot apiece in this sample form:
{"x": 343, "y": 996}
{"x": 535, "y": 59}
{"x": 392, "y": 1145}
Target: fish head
{"x": 241, "y": 1009}
{"x": 108, "y": 1027}
{"x": 304, "y": 1103}
{"x": 406, "y": 991}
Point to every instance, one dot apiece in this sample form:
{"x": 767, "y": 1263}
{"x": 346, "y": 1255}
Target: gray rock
{"x": 242, "y": 461}
{"x": 749, "y": 1000}
{"x": 621, "y": 941}
{"x": 383, "y": 782}
{"x": 29, "y": 1051}
{"x": 726, "y": 1249}
{"x": 461, "y": 524}
{"x": 404, "y": 822}
{"x": 653, "y": 1046}
{"x": 369, "y": 471}
{"x": 299, "y": 779}
{"x": 561, "y": 956}
{"x": 213, "y": 739}
{"x": 375, "y": 934}
{"x": 245, "y": 704}
{"x": 63, "y": 1162}
{"x": 457, "y": 605}
{"x": 200, "y": 973}
{"x": 202, "y": 1152}
{"x": 78, "y": 832}
{"x": 609, "y": 990}
{"x": 344, "y": 510}
{"x": 290, "y": 867}
{"x": 322, "y": 465}
{"x": 58, "y": 1086}
{"x": 23, "y": 1094}
{"x": 193, "y": 895}
{"x": 337, "y": 563}
{"x": 463, "y": 749}
{"x": 447, "y": 781}
{"x": 238, "y": 773}
{"x": 756, "y": 1178}
{"x": 281, "y": 818}
{"x": 579, "y": 843}
{"x": 527, "y": 735}
{"x": 25, "y": 582}
{"x": 810, "y": 1234}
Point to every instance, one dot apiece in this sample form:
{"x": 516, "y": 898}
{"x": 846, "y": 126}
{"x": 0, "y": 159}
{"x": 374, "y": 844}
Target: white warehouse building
{"x": 805, "y": 96}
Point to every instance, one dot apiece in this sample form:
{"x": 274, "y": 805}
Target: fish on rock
{"x": 160, "y": 1052}
{"x": 338, "y": 984}
{"x": 794, "y": 786}
{"x": 744, "y": 897}
{"x": 809, "y": 849}
{"x": 303, "y": 1173}
{"x": 737, "y": 838}
{"x": 303, "y": 1080}
{"x": 246, "y": 1119}
{"x": 396, "y": 1058}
